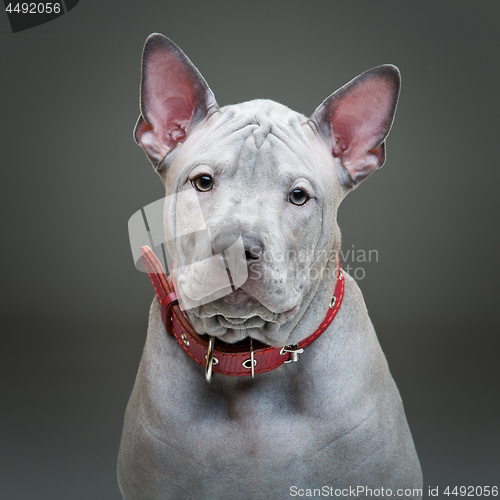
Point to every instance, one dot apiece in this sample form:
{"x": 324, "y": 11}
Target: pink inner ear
{"x": 168, "y": 99}
{"x": 360, "y": 123}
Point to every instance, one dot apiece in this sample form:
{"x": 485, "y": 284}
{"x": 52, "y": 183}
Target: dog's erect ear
{"x": 174, "y": 98}
{"x": 357, "y": 119}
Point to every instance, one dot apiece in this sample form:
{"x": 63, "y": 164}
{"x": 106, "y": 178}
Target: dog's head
{"x": 253, "y": 190}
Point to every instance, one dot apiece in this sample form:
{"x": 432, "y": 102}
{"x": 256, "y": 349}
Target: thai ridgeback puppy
{"x": 327, "y": 422}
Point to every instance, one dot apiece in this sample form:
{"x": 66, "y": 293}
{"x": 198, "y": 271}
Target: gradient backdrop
{"x": 74, "y": 309}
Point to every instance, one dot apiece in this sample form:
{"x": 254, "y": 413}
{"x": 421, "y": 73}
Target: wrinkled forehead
{"x": 257, "y": 139}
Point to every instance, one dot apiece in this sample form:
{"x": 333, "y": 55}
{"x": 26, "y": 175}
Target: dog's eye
{"x": 203, "y": 183}
{"x": 298, "y": 197}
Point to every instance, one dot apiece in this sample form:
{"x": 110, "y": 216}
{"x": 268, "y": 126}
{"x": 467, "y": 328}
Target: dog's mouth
{"x": 239, "y": 315}
{"x": 240, "y": 323}
{"x": 237, "y": 329}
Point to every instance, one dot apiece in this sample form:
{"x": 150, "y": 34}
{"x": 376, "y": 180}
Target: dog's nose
{"x": 252, "y": 246}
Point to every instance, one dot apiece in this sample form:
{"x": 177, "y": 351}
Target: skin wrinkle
{"x": 335, "y": 439}
{"x": 148, "y": 427}
{"x": 200, "y": 466}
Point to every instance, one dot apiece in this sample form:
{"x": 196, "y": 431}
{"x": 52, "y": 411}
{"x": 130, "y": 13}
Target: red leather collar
{"x": 239, "y": 360}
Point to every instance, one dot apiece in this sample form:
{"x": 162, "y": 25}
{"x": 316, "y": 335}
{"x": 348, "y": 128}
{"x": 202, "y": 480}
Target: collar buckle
{"x": 294, "y": 351}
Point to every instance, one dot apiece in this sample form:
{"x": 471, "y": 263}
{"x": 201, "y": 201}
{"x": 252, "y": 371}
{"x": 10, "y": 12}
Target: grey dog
{"x": 331, "y": 424}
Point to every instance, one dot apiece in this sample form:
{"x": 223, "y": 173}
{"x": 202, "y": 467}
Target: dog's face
{"x": 254, "y": 189}
{"x": 257, "y": 172}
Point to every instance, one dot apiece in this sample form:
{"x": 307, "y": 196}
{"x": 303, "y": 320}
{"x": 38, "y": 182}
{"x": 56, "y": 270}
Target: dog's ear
{"x": 356, "y": 120}
{"x": 174, "y": 98}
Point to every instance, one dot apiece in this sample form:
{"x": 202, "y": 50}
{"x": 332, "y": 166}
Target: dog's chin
{"x": 239, "y": 315}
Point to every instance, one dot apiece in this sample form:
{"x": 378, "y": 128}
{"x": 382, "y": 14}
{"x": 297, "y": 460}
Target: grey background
{"x": 74, "y": 310}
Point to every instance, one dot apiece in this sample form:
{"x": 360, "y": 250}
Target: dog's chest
{"x": 237, "y": 423}
{"x": 257, "y": 433}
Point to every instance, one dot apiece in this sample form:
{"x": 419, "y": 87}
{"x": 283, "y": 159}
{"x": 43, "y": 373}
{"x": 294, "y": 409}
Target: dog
{"x": 267, "y": 182}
